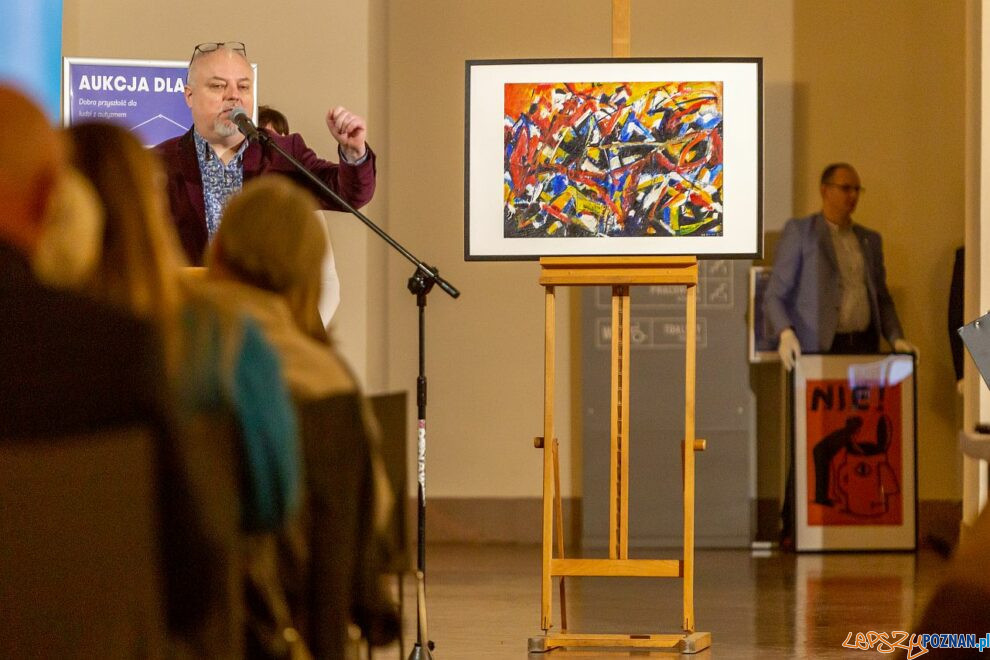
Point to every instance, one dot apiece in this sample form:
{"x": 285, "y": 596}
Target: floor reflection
{"x": 484, "y": 602}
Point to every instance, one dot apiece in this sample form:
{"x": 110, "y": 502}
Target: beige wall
{"x": 881, "y": 85}
{"x": 311, "y": 56}
{"x": 485, "y": 350}
{"x": 862, "y": 81}
{"x": 759, "y": 28}
{"x": 493, "y": 381}
{"x": 873, "y": 82}
{"x": 756, "y": 28}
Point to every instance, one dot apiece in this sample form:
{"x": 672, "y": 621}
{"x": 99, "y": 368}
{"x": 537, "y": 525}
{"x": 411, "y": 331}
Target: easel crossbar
{"x": 670, "y": 641}
{"x": 616, "y": 640}
{"x": 645, "y": 271}
{"x": 617, "y": 567}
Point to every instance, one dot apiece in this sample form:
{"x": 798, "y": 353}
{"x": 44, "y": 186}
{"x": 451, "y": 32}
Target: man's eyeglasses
{"x": 202, "y": 49}
{"x": 846, "y": 188}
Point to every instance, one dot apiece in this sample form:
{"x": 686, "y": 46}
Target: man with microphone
{"x": 214, "y": 159}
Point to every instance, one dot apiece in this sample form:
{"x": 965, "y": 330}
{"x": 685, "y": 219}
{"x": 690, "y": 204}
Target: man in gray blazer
{"x": 828, "y": 289}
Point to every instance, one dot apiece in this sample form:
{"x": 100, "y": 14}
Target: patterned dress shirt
{"x": 219, "y": 181}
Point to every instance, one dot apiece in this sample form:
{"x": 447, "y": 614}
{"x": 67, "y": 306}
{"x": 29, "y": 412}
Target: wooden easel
{"x": 620, "y": 273}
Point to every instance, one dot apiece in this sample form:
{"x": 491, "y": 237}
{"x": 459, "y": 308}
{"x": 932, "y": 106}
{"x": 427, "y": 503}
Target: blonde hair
{"x": 271, "y": 238}
{"x": 69, "y": 248}
{"x": 141, "y": 258}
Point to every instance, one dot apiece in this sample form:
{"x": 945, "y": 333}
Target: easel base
{"x": 684, "y": 643}
{"x": 420, "y": 653}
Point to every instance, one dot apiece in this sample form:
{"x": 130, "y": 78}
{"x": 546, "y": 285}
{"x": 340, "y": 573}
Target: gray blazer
{"x": 805, "y": 291}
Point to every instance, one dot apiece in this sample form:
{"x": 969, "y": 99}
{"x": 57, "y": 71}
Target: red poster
{"x": 854, "y": 462}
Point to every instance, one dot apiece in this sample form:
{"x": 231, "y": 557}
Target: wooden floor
{"x": 483, "y": 601}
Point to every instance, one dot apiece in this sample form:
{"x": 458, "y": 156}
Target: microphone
{"x": 243, "y": 122}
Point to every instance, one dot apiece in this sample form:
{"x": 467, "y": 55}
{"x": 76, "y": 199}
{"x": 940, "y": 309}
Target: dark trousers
{"x": 855, "y": 343}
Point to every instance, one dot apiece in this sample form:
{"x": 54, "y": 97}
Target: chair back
{"x": 340, "y": 580}
{"x": 206, "y": 538}
{"x": 80, "y": 563}
{"x": 390, "y": 412}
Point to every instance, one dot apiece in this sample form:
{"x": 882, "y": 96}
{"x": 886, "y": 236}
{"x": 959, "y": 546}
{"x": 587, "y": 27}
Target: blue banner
{"x": 144, "y": 96}
{"x": 31, "y": 49}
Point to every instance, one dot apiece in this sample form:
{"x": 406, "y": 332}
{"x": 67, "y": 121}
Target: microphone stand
{"x": 420, "y": 284}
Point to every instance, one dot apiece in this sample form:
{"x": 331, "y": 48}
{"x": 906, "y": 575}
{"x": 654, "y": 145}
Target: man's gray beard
{"x": 224, "y": 128}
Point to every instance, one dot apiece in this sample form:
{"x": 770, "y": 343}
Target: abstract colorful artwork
{"x": 625, "y": 157}
{"x": 613, "y": 159}
{"x": 854, "y": 449}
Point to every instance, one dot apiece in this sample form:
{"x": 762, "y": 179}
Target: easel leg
{"x": 690, "y": 341}
{"x": 618, "y": 545}
{"x": 559, "y": 516}
{"x": 548, "y": 457}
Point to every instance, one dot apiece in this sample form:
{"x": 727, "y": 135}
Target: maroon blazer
{"x": 354, "y": 183}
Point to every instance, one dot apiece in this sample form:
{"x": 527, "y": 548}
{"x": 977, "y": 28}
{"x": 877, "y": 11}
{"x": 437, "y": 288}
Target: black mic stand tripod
{"x": 420, "y": 284}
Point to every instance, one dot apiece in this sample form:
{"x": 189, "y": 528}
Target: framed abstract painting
{"x": 854, "y": 452}
{"x": 613, "y": 157}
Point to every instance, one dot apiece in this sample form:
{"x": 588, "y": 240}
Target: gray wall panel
{"x": 724, "y": 415}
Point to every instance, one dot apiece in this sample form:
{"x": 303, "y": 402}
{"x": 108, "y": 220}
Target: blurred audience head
{"x": 71, "y": 243}
{"x": 140, "y": 256}
{"x": 30, "y": 166}
{"x": 270, "y": 238}
{"x": 273, "y": 120}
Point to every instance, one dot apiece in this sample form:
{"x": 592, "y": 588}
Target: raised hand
{"x": 349, "y": 130}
